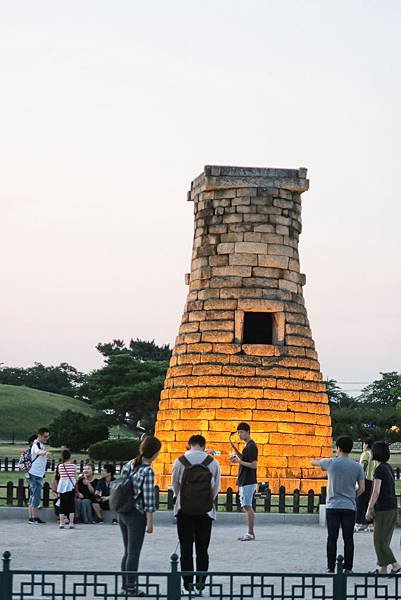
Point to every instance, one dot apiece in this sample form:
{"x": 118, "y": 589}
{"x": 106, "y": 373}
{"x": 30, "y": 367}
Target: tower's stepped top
{"x": 222, "y": 177}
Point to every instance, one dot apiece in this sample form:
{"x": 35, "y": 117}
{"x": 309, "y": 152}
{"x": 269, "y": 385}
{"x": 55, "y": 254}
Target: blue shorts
{"x": 35, "y": 488}
{"x": 246, "y": 493}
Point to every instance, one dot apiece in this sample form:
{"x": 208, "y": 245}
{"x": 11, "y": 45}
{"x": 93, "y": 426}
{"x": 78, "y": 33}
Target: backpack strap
{"x": 184, "y": 461}
{"x": 209, "y": 459}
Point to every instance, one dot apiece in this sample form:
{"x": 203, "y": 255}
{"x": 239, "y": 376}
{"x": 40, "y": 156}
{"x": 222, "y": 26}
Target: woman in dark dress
{"x": 383, "y": 507}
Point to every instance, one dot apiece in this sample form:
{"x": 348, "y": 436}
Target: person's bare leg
{"x": 97, "y": 509}
{"x": 72, "y": 517}
{"x": 395, "y": 566}
{"x": 61, "y": 517}
{"x": 250, "y": 516}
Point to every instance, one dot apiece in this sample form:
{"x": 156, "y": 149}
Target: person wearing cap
{"x": 247, "y": 461}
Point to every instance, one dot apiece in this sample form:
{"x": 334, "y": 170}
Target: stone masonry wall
{"x": 245, "y": 258}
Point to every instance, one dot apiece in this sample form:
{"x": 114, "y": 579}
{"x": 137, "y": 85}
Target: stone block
{"x": 226, "y": 248}
{"x": 207, "y": 369}
{"x": 250, "y": 248}
{"x": 268, "y": 404}
{"x": 200, "y": 413}
{"x": 214, "y": 380}
{"x": 205, "y": 392}
{"x": 216, "y": 315}
{"x": 233, "y": 218}
{"x": 260, "y": 349}
{"x": 243, "y": 259}
{"x": 267, "y": 272}
{"x": 208, "y": 294}
{"x": 220, "y": 260}
{"x": 225, "y": 282}
{"x": 221, "y": 359}
{"x": 206, "y": 402}
{"x": 280, "y": 250}
{"x": 264, "y": 228}
{"x": 239, "y": 371}
{"x": 244, "y": 393}
{"x": 197, "y": 315}
{"x": 193, "y": 425}
{"x": 216, "y": 326}
{"x": 236, "y": 271}
{"x": 190, "y": 327}
{"x": 199, "y": 348}
{"x": 232, "y": 414}
{"x": 216, "y": 304}
{"x": 218, "y": 336}
{"x": 232, "y": 237}
{"x": 226, "y": 348}
{"x": 237, "y": 403}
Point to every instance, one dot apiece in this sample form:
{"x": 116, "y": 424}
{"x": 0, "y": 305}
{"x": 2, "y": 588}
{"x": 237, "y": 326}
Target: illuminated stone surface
{"x": 245, "y": 260}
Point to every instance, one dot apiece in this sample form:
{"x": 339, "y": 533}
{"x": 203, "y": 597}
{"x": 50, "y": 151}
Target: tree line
{"x": 130, "y": 381}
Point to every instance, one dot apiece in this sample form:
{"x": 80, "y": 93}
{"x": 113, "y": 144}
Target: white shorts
{"x": 246, "y": 493}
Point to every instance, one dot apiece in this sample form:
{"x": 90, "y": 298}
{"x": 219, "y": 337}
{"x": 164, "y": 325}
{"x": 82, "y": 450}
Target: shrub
{"x": 114, "y": 450}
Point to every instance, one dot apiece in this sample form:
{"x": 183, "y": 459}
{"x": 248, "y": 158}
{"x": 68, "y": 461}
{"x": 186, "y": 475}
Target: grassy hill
{"x": 23, "y": 410}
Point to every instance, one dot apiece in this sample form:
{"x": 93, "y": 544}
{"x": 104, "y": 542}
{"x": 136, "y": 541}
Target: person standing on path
{"x": 66, "y": 487}
{"x": 383, "y": 505}
{"x": 39, "y": 458}
{"x": 135, "y": 523}
{"x": 369, "y": 465}
{"x": 344, "y": 475}
{"x": 196, "y": 483}
{"x": 247, "y": 477}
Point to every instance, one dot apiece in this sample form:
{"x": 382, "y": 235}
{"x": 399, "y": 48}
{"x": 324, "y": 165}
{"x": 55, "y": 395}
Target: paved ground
{"x": 278, "y": 548}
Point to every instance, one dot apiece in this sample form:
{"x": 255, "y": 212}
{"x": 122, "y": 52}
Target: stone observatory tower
{"x": 245, "y": 350}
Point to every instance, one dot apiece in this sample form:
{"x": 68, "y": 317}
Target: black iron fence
{"x": 17, "y": 494}
{"x": 11, "y": 465}
{"x": 69, "y": 585}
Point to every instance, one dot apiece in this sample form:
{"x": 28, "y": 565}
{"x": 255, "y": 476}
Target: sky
{"x": 108, "y": 110}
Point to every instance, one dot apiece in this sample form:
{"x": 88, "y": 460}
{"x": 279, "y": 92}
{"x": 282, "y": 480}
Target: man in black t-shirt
{"x": 247, "y": 461}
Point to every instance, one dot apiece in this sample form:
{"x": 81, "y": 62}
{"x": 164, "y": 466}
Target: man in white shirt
{"x": 194, "y": 523}
{"x": 39, "y": 458}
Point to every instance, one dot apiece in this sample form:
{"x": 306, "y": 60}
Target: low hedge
{"x": 114, "y": 450}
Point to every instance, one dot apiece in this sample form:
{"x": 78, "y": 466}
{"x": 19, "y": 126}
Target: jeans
{"x": 345, "y": 518}
{"x": 362, "y": 502}
{"x": 194, "y": 529}
{"x": 132, "y": 527}
{"x": 385, "y": 521}
{"x": 83, "y": 510}
{"x": 35, "y": 488}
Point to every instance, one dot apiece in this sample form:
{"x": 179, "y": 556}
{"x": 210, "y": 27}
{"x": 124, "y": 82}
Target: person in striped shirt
{"x": 67, "y": 472}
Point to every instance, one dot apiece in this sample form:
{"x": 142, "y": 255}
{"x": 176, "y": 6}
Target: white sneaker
{"x": 247, "y": 537}
{"x": 61, "y": 527}
{"x": 184, "y": 591}
{"x": 71, "y": 526}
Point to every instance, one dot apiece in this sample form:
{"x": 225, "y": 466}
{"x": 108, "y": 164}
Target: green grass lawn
{"x": 23, "y": 410}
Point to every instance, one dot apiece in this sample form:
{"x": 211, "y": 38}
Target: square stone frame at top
{"x": 276, "y": 308}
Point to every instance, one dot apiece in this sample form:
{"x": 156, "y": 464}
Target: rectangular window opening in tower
{"x": 259, "y": 328}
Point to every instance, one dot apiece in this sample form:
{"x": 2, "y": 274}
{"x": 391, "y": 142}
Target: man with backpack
{"x": 38, "y": 456}
{"x": 196, "y": 483}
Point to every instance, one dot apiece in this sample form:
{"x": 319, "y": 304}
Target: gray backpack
{"x": 122, "y": 499}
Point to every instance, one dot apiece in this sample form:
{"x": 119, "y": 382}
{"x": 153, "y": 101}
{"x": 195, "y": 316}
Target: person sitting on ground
{"x": 346, "y": 481}
{"x": 67, "y": 471}
{"x": 86, "y": 502}
{"x": 103, "y": 490}
{"x": 383, "y": 506}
